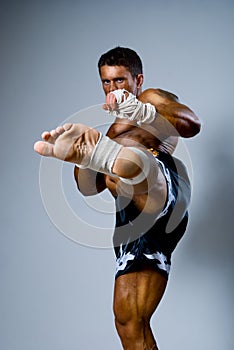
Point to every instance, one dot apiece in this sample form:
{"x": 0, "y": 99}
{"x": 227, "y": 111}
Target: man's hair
{"x": 122, "y": 56}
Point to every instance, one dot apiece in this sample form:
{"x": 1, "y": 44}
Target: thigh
{"x": 137, "y": 294}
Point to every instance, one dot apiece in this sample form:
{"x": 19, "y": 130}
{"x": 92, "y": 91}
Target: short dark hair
{"x": 122, "y": 56}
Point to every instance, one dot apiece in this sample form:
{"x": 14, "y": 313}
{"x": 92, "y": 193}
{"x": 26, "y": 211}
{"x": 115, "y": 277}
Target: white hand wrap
{"x": 133, "y": 109}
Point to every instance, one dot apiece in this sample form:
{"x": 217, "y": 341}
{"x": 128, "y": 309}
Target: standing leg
{"x": 136, "y": 297}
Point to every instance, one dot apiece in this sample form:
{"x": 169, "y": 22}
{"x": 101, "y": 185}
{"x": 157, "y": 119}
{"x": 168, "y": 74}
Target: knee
{"x": 131, "y": 327}
{"x": 130, "y": 330}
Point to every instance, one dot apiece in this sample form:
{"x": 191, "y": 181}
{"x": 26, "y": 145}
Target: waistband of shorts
{"x": 168, "y": 160}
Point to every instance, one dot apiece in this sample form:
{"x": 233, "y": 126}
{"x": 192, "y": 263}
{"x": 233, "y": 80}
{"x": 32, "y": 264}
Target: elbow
{"x": 196, "y": 128}
{"x": 85, "y": 193}
{"x": 192, "y": 130}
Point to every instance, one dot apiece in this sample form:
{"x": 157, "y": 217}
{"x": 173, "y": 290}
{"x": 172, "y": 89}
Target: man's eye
{"x": 119, "y": 80}
{"x": 106, "y": 82}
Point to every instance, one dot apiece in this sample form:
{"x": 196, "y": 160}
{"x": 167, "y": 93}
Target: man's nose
{"x": 112, "y": 86}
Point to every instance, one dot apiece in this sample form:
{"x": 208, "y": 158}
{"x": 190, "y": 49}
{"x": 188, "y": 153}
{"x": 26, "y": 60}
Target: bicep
{"x": 183, "y": 120}
{"x": 157, "y": 97}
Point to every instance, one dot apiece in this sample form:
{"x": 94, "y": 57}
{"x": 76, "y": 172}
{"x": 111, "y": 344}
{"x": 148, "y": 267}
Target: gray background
{"x": 55, "y": 293}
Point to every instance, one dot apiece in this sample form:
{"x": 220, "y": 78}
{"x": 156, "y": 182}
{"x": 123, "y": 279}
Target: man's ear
{"x": 139, "y": 80}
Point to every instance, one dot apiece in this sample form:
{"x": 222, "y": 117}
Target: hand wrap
{"x": 132, "y": 109}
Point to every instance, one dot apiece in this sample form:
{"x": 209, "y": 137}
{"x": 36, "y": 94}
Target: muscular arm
{"x": 184, "y": 121}
{"x": 89, "y": 182}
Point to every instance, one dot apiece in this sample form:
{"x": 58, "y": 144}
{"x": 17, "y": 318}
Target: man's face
{"x": 119, "y": 77}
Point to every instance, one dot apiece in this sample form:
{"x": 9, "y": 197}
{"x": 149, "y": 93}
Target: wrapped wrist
{"x": 131, "y": 108}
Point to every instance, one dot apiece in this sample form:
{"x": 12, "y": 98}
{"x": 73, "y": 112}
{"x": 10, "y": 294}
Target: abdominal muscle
{"x": 130, "y": 134}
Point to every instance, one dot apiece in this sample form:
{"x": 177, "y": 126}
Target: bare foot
{"x": 71, "y": 142}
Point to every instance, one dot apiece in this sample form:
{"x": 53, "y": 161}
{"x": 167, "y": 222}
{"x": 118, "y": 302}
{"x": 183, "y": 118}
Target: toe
{"x": 44, "y": 148}
{"x": 60, "y": 130}
{"x": 45, "y": 135}
{"x": 67, "y": 126}
{"x": 54, "y": 134}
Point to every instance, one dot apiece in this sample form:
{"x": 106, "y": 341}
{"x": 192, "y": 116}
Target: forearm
{"x": 89, "y": 182}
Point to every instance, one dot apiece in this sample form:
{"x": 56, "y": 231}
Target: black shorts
{"x": 142, "y": 240}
